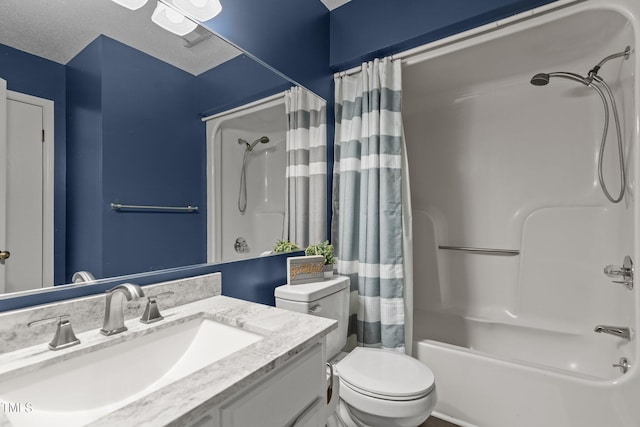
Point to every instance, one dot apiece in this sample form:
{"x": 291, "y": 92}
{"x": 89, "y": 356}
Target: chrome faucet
{"x": 114, "y": 314}
{"x": 618, "y": 331}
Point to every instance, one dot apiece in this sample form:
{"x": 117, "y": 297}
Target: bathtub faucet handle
{"x": 624, "y": 365}
{"x": 625, "y": 272}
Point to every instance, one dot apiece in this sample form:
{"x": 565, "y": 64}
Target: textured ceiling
{"x": 59, "y": 29}
{"x": 332, "y": 4}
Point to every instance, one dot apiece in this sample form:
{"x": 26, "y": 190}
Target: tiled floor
{"x": 437, "y": 422}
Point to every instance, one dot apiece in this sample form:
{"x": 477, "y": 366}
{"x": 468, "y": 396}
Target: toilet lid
{"x": 386, "y": 374}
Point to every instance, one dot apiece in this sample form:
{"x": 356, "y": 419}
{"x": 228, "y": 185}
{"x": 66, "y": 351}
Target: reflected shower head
{"x": 540, "y": 79}
{"x": 262, "y": 140}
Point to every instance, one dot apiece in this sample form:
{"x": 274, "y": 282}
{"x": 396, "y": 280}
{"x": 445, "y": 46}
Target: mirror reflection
{"x": 104, "y": 108}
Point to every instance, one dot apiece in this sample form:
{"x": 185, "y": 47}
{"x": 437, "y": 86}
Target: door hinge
{"x": 42, "y": 135}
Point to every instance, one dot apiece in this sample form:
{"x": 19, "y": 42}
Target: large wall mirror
{"x": 104, "y": 118}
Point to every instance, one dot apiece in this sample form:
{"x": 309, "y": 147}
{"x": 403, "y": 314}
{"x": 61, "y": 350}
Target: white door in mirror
{"x": 3, "y": 172}
{"x": 24, "y": 197}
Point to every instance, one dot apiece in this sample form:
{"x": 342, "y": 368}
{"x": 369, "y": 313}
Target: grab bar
{"x": 120, "y": 206}
{"x": 482, "y": 251}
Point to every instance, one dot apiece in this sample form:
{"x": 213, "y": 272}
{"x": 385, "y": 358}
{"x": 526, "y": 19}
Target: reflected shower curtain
{"x": 367, "y": 200}
{"x": 306, "y": 173}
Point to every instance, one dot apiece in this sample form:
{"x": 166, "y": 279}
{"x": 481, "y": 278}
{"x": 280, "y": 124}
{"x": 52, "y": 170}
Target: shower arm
{"x": 594, "y": 71}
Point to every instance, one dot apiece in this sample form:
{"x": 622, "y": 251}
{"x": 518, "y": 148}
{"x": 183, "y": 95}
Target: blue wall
{"x": 84, "y": 161}
{"x": 40, "y": 77}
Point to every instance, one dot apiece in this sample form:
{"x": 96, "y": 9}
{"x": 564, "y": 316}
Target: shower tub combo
{"x": 246, "y": 179}
{"x": 518, "y": 209}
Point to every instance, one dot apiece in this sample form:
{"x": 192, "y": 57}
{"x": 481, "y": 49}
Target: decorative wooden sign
{"x": 305, "y": 269}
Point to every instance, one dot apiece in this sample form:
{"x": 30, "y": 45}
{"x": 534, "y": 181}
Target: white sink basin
{"x": 85, "y": 388}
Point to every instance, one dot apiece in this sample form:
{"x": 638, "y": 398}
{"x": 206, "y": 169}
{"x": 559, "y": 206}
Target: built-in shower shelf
{"x": 481, "y": 251}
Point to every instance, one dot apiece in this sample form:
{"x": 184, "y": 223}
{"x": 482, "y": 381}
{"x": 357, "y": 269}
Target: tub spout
{"x": 618, "y": 331}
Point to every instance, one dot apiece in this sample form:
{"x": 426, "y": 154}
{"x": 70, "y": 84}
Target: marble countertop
{"x": 285, "y": 334}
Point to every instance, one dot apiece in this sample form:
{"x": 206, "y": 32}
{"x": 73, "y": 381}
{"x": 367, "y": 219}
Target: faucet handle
{"x": 151, "y": 312}
{"x": 64, "y": 336}
{"x": 624, "y": 365}
{"x": 624, "y": 272}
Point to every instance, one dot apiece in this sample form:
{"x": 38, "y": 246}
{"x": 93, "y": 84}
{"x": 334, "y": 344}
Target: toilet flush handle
{"x": 315, "y": 309}
{"x": 330, "y": 386}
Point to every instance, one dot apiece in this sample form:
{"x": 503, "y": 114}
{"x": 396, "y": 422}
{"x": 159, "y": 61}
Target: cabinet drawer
{"x": 279, "y": 400}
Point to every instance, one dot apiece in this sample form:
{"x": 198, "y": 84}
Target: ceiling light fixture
{"x": 131, "y": 4}
{"x": 172, "y": 20}
{"x": 202, "y": 10}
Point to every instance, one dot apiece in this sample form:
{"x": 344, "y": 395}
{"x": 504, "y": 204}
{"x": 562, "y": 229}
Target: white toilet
{"x": 375, "y": 387}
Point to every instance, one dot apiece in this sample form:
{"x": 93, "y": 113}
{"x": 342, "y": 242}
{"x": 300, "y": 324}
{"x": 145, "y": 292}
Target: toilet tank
{"x": 328, "y": 298}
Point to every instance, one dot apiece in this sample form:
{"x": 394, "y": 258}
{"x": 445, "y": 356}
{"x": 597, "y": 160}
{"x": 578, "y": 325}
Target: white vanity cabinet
{"x": 293, "y": 395}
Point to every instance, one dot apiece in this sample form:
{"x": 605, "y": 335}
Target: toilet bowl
{"x": 380, "y": 388}
{"x": 372, "y": 387}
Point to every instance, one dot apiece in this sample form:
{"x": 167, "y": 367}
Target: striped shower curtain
{"x": 306, "y": 173}
{"x": 367, "y": 200}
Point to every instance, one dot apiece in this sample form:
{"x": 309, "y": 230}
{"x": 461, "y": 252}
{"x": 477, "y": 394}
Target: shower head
{"x": 540, "y": 79}
{"x": 262, "y": 140}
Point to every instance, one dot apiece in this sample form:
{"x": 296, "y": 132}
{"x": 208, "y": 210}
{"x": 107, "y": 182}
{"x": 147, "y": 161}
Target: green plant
{"x": 324, "y": 249}
{"x": 285, "y": 246}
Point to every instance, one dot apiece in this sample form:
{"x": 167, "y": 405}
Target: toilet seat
{"x": 364, "y": 406}
{"x": 385, "y": 375}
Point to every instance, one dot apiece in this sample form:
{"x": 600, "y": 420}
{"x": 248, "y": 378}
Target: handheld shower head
{"x": 540, "y": 79}
{"x": 262, "y": 140}
{"x": 597, "y": 83}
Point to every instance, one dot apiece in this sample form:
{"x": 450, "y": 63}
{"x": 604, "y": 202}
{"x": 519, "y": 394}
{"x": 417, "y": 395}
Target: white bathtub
{"x": 578, "y": 353}
{"x": 497, "y": 163}
{"x": 478, "y": 389}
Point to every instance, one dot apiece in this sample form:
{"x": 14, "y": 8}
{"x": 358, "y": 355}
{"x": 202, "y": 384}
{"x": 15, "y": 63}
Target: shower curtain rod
{"x": 411, "y": 55}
